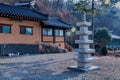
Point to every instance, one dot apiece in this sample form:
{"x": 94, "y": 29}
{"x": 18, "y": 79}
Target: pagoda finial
{"x": 84, "y": 16}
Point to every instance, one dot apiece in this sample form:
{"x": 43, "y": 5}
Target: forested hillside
{"x": 52, "y": 7}
{"x": 109, "y": 17}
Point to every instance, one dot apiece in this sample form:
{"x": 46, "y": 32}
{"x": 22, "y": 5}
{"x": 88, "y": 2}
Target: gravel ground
{"x": 54, "y": 67}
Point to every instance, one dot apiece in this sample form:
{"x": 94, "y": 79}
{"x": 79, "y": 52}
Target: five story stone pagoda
{"x": 84, "y": 58}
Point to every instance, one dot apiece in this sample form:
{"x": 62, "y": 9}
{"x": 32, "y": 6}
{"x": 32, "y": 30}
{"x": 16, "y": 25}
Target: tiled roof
{"x": 18, "y": 3}
{"x": 19, "y": 11}
{"x": 57, "y": 22}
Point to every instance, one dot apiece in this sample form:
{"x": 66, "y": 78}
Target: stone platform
{"x": 76, "y": 68}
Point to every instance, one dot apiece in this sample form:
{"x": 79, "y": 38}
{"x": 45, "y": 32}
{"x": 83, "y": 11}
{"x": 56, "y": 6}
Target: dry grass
{"x": 54, "y": 67}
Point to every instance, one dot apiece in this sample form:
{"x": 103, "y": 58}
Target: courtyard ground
{"x": 54, "y": 67}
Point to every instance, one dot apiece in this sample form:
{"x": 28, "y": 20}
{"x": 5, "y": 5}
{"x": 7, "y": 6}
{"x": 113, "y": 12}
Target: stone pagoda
{"x": 84, "y": 58}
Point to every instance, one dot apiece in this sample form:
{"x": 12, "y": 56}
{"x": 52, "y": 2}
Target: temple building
{"x": 23, "y": 29}
{"x": 53, "y": 31}
{"x": 115, "y": 43}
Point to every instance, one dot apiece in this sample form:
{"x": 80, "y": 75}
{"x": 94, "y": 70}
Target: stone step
{"x": 83, "y": 32}
{"x": 85, "y": 50}
{"x": 84, "y": 23}
{"x": 83, "y": 65}
{"x": 84, "y": 41}
{"x": 87, "y": 60}
{"x": 84, "y": 55}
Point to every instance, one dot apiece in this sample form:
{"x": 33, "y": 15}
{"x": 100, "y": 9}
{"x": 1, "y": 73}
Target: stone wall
{"x": 21, "y": 49}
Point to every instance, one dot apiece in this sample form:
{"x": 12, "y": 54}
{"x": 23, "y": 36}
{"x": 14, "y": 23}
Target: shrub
{"x": 47, "y": 48}
{"x": 68, "y": 47}
{"x": 104, "y": 51}
{"x": 117, "y": 55}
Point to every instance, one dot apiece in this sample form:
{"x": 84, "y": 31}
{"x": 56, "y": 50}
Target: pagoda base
{"x": 76, "y": 68}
